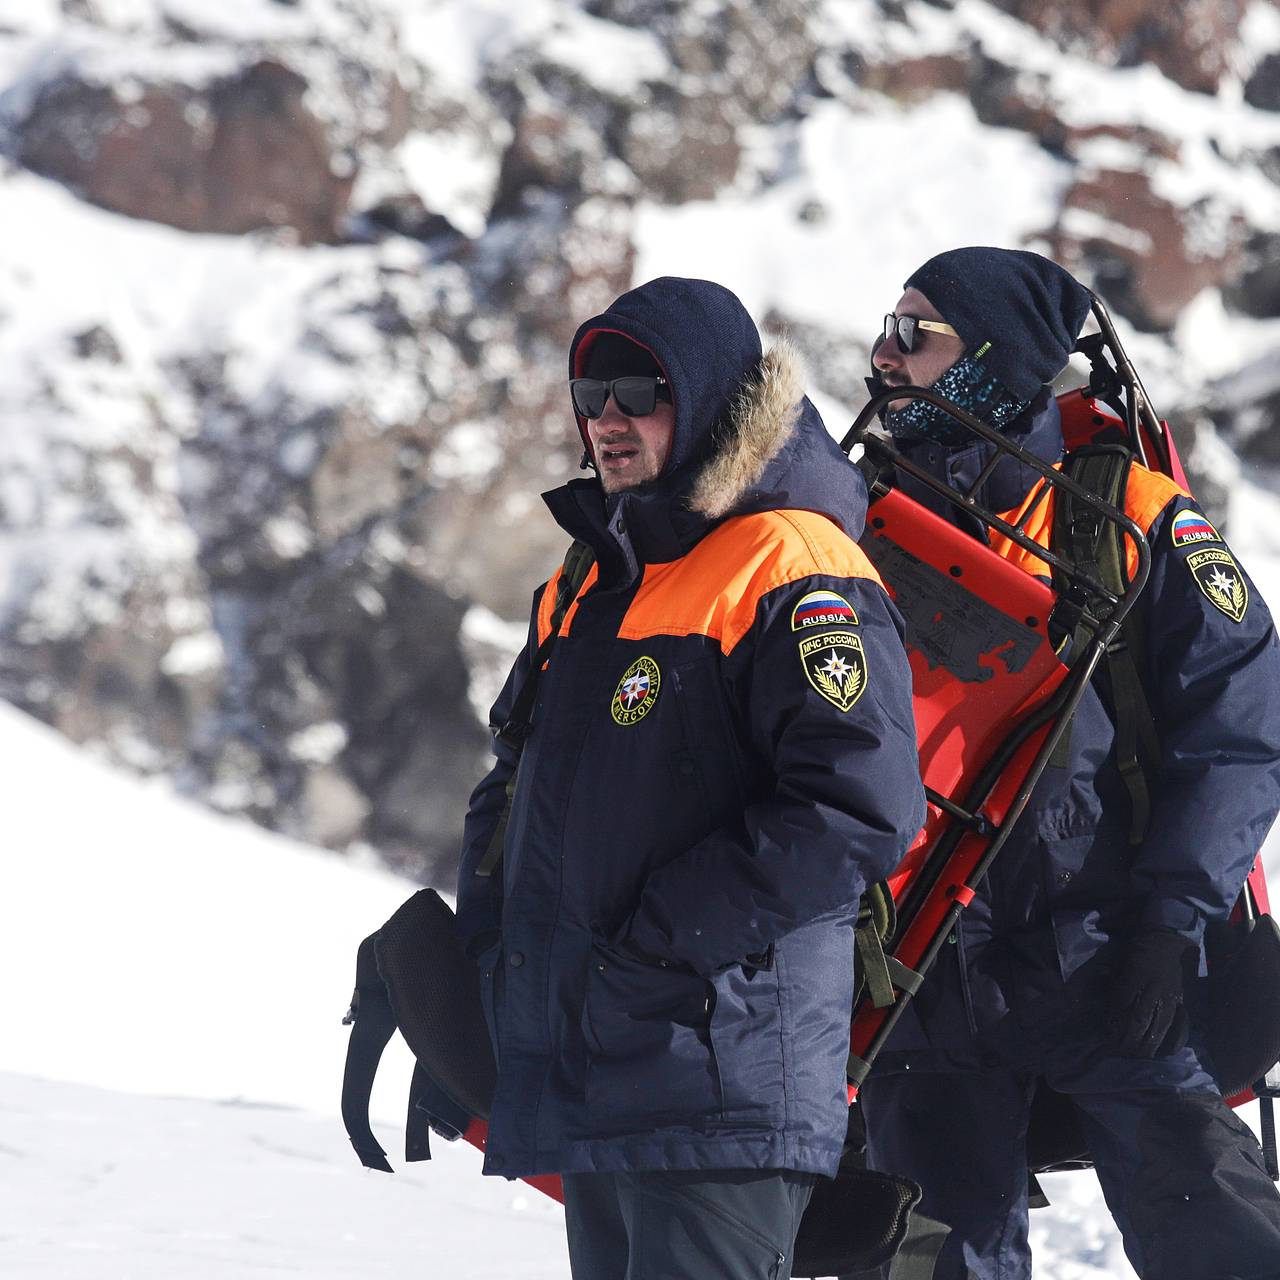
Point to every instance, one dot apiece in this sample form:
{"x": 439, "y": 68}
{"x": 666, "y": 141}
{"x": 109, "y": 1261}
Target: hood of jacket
{"x": 746, "y": 439}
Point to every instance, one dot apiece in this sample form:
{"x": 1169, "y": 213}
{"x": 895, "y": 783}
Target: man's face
{"x": 631, "y": 451}
{"x": 934, "y": 353}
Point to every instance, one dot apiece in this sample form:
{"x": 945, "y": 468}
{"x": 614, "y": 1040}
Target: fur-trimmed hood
{"x": 746, "y": 438}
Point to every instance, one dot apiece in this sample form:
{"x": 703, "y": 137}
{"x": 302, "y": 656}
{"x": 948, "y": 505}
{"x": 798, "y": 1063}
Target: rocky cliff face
{"x": 288, "y": 289}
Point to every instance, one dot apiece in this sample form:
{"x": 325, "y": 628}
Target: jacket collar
{"x": 1038, "y": 430}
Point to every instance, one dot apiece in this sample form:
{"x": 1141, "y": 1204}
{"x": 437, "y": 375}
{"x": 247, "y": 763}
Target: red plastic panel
{"x": 979, "y": 647}
{"x": 1085, "y": 421}
{"x": 981, "y": 663}
{"x": 548, "y": 1183}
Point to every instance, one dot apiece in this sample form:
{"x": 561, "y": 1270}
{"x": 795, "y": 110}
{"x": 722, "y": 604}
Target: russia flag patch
{"x": 1190, "y": 527}
{"x": 822, "y": 609}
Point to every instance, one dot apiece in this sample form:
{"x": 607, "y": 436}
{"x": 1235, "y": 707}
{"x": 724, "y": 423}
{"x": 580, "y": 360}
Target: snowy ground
{"x": 109, "y": 1186}
{"x": 170, "y": 1064}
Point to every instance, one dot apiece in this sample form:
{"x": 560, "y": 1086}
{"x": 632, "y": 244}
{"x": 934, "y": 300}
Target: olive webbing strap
{"x": 1096, "y": 546}
{"x": 573, "y": 573}
{"x": 876, "y": 970}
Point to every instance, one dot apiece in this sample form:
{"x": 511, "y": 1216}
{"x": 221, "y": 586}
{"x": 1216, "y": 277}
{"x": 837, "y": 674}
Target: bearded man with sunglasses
{"x": 1069, "y": 973}
{"x": 719, "y": 755}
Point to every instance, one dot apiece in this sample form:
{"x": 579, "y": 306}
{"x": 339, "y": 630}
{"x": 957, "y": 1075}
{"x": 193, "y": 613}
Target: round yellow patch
{"x": 637, "y": 691}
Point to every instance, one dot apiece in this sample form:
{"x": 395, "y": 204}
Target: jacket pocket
{"x": 647, "y": 1029}
{"x": 746, "y": 1038}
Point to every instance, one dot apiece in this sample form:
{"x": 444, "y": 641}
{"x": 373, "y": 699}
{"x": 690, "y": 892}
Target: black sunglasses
{"x": 637, "y": 397}
{"x": 907, "y": 330}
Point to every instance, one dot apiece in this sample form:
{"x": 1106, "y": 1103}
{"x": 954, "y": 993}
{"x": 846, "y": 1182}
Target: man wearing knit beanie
{"x": 1010, "y": 321}
{"x": 1074, "y": 965}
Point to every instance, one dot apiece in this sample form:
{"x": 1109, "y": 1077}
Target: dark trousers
{"x": 1182, "y": 1175}
{"x": 722, "y": 1224}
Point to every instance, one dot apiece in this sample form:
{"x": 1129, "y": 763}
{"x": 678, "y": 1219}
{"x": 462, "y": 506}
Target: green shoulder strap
{"x": 877, "y": 971}
{"x": 1097, "y": 547}
{"x": 573, "y": 573}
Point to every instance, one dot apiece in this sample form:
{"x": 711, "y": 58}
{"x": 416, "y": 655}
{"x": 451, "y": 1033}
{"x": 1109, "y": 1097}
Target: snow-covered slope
{"x": 163, "y": 950}
{"x": 267, "y": 498}
{"x": 173, "y": 1048}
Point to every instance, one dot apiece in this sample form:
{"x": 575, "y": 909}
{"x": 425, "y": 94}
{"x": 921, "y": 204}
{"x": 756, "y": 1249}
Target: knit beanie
{"x": 1016, "y": 312}
{"x": 612, "y": 355}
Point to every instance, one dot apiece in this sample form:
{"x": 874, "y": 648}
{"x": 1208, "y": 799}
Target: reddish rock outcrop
{"x": 912, "y": 80}
{"x": 242, "y": 153}
{"x": 1148, "y": 255}
{"x": 1191, "y": 41}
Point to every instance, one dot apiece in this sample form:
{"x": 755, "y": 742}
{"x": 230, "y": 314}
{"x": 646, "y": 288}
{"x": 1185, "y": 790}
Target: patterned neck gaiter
{"x": 966, "y": 384}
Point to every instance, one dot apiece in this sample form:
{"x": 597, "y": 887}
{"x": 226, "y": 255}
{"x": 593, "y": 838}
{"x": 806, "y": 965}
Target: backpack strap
{"x": 372, "y": 1023}
{"x": 573, "y": 573}
{"x": 1096, "y": 546}
{"x": 877, "y": 972}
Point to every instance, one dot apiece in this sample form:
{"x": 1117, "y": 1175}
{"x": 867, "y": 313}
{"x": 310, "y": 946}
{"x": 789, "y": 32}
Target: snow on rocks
{"x": 284, "y": 415}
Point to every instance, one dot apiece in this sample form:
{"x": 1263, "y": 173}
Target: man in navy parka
{"x": 722, "y": 756}
{"x": 1071, "y": 969}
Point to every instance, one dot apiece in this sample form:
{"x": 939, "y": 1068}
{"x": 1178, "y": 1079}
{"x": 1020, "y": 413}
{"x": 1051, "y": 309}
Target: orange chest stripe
{"x": 714, "y": 591}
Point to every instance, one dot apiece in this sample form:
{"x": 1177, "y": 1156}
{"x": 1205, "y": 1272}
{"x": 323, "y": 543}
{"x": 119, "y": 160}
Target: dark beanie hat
{"x": 612, "y": 355}
{"x": 1017, "y": 312}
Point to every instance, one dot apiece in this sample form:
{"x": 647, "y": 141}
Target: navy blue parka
{"x": 722, "y": 756}
{"x": 1035, "y": 954}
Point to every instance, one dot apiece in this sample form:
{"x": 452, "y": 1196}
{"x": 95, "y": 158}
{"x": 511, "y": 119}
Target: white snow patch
{"x": 1259, "y": 34}
{"x": 101, "y": 1185}
{"x": 289, "y": 536}
{"x": 318, "y": 743}
{"x": 455, "y": 174}
{"x": 197, "y": 655}
{"x": 1220, "y": 345}
{"x": 457, "y": 39}
{"x": 468, "y": 454}
{"x": 195, "y": 955}
{"x": 1085, "y": 224}
{"x": 490, "y": 645}
{"x": 614, "y": 59}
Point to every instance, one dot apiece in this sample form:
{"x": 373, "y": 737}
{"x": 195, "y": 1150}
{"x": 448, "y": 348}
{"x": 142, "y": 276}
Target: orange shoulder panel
{"x": 714, "y": 590}
{"x": 1146, "y": 496}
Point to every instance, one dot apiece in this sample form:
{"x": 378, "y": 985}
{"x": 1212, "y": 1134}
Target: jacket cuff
{"x": 1175, "y": 915}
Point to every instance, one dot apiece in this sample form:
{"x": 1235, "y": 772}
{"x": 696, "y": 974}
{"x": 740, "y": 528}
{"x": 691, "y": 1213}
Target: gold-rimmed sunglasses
{"x": 907, "y": 330}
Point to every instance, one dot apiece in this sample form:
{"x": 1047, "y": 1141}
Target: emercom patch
{"x": 836, "y": 666}
{"x": 1221, "y": 581}
{"x": 1190, "y": 527}
{"x": 637, "y": 691}
{"x": 822, "y": 609}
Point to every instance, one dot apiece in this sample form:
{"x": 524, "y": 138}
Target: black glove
{"x": 1148, "y": 1019}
